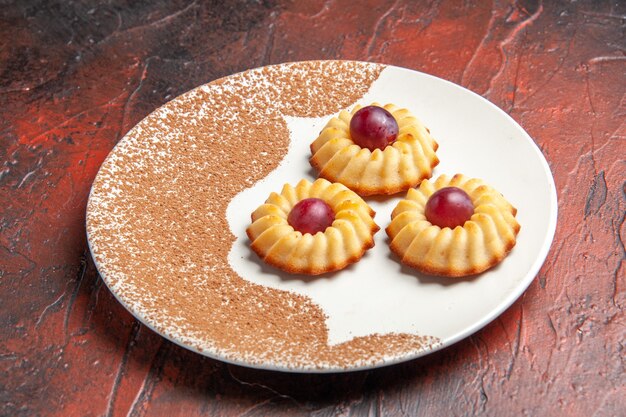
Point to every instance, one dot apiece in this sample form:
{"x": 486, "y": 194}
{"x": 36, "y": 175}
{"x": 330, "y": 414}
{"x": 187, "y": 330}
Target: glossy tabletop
{"x": 76, "y": 76}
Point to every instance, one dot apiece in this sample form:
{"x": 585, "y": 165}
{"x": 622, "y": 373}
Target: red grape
{"x": 311, "y": 215}
{"x": 449, "y": 207}
{"x": 373, "y": 127}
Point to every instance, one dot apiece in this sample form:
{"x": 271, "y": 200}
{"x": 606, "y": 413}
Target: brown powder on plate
{"x": 157, "y": 227}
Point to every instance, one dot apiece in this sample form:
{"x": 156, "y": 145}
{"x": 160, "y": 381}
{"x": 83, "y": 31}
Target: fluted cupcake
{"x": 453, "y": 227}
{"x": 312, "y": 228}
{"x": 375, "y": 150}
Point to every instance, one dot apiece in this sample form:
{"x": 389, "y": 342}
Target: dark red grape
{"x": 311, "y": 215}
{"x": 373, "y": 127}
{"x": 449, "y": 207}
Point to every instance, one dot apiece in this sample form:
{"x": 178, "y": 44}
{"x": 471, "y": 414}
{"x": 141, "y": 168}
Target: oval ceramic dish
{"x": 168, "y": 211}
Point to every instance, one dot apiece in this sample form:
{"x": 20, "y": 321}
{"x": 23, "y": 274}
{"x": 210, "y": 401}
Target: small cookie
{"x": 312, "y": 228}
{"x": 375, "y": 150}
{"x": 474, "y": 239}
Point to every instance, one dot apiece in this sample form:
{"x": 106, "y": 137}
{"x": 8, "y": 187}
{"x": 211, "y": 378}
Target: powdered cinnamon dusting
{"x": 157, "y": 224}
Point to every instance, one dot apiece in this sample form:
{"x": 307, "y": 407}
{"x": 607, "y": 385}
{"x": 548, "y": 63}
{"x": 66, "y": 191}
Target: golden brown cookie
{"x": 473, "y": 247}
{"x": 349, "y": 233}
{"x": 398, "y": 167}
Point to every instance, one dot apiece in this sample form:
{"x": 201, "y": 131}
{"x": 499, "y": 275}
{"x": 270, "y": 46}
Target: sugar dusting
{"x": 157, "y": 225}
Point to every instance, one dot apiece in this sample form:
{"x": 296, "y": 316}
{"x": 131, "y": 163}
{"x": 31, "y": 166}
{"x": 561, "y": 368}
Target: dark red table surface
{"x": 75, "y": 76}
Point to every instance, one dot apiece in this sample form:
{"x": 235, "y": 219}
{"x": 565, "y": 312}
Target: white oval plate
{"x": 378, "y": 295}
